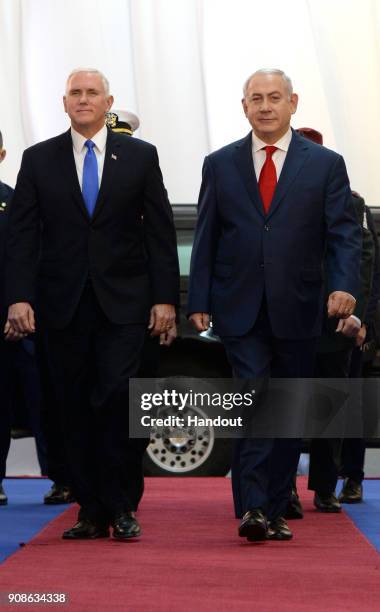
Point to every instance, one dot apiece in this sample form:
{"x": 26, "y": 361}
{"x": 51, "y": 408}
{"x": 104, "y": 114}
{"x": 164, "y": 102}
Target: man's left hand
{"x": 349, "y": 327}
{"x": 167, "y": 338}
{"x": 162, "y": 319}
{"x": 340, "y": 304}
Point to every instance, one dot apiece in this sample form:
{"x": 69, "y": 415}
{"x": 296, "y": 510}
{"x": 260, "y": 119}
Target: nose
{"x": 265, "y": 105}
{"x": 83, "y": 97}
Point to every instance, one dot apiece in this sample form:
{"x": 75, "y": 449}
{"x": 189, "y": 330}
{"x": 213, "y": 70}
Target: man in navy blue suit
{"x": 271, "y": 207}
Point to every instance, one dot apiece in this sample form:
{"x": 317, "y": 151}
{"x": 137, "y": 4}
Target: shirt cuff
{"x": 356, "y": 319}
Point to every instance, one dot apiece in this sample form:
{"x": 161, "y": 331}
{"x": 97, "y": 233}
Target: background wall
{"x": 180, "y": 65}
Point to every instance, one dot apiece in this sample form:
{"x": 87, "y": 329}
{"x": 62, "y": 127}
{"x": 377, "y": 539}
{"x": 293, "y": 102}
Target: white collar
{"x": 100, "y": 139}
{"x": 282, "y": 144}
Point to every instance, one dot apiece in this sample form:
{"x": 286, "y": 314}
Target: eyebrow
{"x": 271, "y": 93}
{"x": 89, "y": 89}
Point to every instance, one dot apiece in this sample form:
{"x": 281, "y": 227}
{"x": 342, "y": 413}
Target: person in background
{"x": 125, "y": 122}
{"x": 20, "y": 390}
{"x": 353, "y": 449}
{"x": 5, "y": 414}
{"x": 334, "y": 351}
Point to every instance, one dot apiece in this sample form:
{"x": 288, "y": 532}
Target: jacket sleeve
{"x": 375, "y": 290}
{"x": 344, "y": 241}
{"x": 205, "y": 244}
{"x": 23, "y": 239}
{"x": 160, "y": 237}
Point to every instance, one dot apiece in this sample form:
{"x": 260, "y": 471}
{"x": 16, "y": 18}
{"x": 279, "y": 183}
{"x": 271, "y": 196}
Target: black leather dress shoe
{"x": 352, "y": 492}
{"x": 278, "y": 530}
{"x": 254, "y": 526}
{"x": 3, "y": 497}
{"x": 327, "y": 503}
{"x": 125, "y": 526}
{"x": 294, "y": 508}
{"x": 86, "y": 530}
{"x": 59, "y": 494}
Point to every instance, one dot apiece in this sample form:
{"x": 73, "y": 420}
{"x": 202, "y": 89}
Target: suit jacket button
{"x": 266, "y": 227}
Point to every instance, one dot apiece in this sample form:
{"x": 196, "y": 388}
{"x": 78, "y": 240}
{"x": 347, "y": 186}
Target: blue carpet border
{"x": 26, "y": 514}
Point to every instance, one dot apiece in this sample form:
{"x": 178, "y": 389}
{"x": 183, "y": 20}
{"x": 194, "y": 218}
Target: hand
{"x": 168, "y": 337}
{"x": 11, "y": 335}
{"x": 349, "y": 327}
{"x": 162, "y": 319}
{"x": 361, "y": 336}
{"x": 200, "y": 320}
{"x": 340, "y": 304}
{"x": 20, "y": 321}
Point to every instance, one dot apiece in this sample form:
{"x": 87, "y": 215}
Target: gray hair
{"x": 92, "y": 71}
{"x": 275, "y": 71}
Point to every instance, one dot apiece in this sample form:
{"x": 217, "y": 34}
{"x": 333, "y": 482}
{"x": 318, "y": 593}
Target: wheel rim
{"x": 181, "y": 450}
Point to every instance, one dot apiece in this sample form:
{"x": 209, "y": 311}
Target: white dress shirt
{"x": 259, "y": 154}
{"x": 80, "y": 150}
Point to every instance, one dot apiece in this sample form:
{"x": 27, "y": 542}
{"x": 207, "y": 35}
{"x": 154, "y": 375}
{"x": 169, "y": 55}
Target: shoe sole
{"x": 94, "y": 537}
{"x": 293, "y": 515}
{"x": 126, "y": 538}
{"x": 351, "y": 501}
{"x": 278, "y": 538}
{"x": 253, "y": 533}
{"x": 329, "y": 510}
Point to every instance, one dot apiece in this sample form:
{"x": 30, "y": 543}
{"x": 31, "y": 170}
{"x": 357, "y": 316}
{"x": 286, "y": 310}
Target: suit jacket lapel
{"x": 68, "y": 168}
{"x": 111, "y": 160}
{"x": 244, "y": 162}
{"x": 296, "y": 156}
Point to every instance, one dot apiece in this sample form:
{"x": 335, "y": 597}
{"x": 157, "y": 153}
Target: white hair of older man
{"x": 92, "y": 71}
{"x": 274, "y": 71}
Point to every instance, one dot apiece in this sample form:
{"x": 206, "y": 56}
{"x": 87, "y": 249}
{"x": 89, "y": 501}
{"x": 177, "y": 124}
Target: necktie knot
{"x": 269, "y": 150}
{"x": 89, "y": 144}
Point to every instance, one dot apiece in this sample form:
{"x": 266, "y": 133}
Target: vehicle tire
{"x": 216, "y": 463}
{"x": 201, "y": 454}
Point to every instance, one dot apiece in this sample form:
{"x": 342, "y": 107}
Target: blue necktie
{"x": 90, "y": 183}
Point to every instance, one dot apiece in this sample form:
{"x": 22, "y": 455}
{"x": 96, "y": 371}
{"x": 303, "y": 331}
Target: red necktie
{"x": 268, "y": 178}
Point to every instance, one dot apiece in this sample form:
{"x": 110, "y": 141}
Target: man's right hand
{"x": 200, "y": 320}
{"x": 20, "y": 321}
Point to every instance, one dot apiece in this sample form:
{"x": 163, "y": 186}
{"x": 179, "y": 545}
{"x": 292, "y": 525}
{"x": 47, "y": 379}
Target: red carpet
{"x": 190, "y": 559}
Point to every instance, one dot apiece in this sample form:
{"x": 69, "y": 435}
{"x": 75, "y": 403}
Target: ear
{"x": 109, "y": 102}
{"x": 64, "y": 103}
{"x": 2, "y": 154}
{"x": 293, "y": 103}
{"x": 245, "y": 107}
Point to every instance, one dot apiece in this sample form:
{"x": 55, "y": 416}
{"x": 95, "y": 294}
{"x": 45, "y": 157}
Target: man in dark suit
{"x": 5, "y": 417}
{"x": 334, "y": 353}
{"x": 92, "y": 251}
{"x": 270, "y": 205}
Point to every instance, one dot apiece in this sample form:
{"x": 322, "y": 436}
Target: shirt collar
{"x": 100, "y": 139}
{"x": 282, "y": 144}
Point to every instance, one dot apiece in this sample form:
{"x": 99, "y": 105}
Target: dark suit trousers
{"x": 92, "y": 360}
{"x": 262, "y": 468}
{"x": 57, "y": 469}
{"x": 353, "y": 449}
{"x": 20, "y": 397}
{"x": 5, "y": 405}
{"x": 325, "y": 452}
